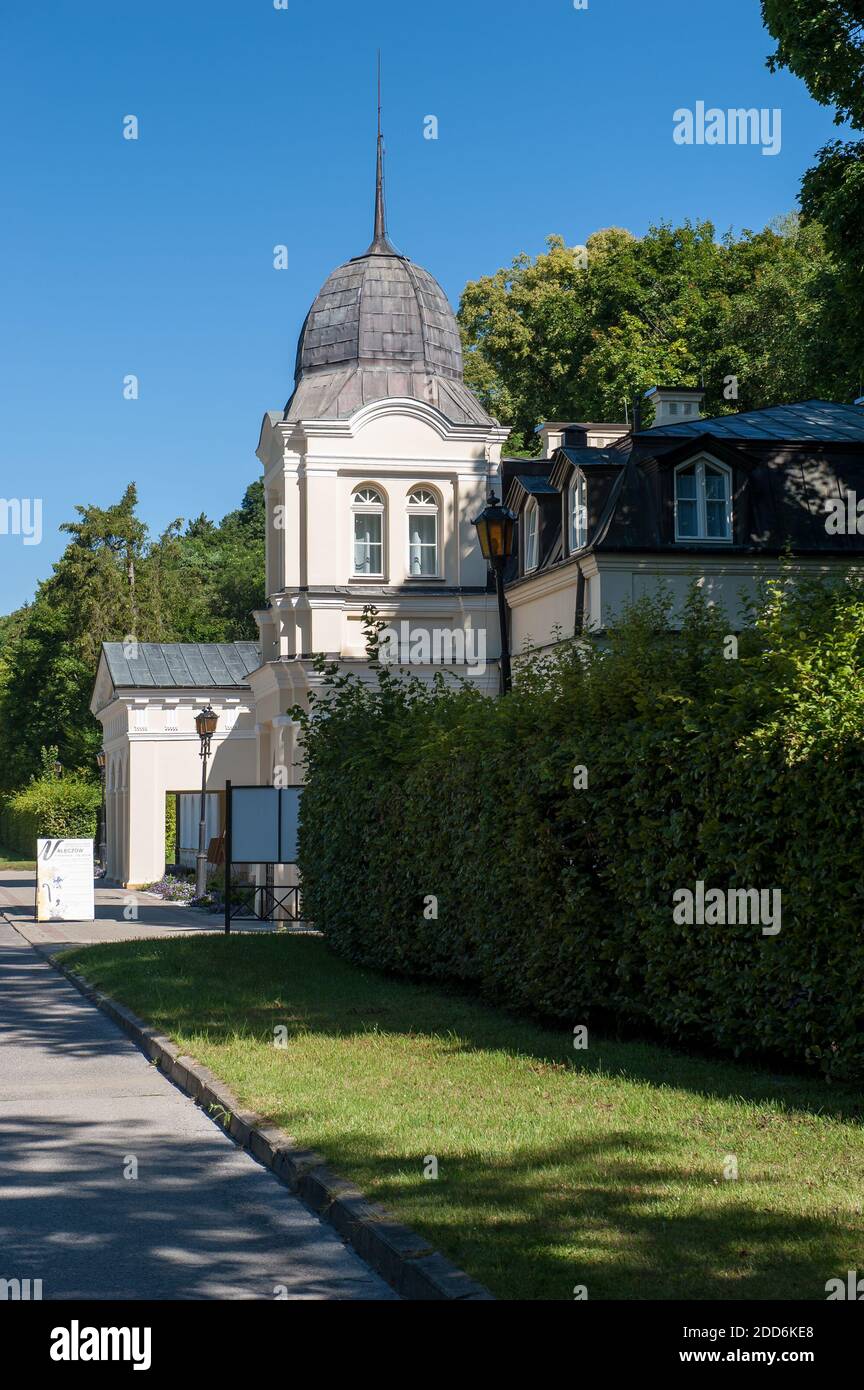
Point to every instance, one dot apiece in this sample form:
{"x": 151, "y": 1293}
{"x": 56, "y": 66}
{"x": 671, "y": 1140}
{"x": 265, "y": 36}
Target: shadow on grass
{"x": 593, "y": 1213}
{"x": 625, "y": 1213}
{"x": 221, "y": 985}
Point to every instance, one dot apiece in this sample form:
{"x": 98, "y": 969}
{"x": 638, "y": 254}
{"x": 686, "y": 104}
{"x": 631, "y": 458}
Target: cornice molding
{"x": 398, "y": 407}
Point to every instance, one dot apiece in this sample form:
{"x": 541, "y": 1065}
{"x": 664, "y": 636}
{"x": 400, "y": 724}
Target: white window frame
{"x": 577, "y": 497}
{"x": 369, "y": 509}
{"x": 700, "y": 463}
{"x": 432, "y": 508}
{"x": 531, "y": 542}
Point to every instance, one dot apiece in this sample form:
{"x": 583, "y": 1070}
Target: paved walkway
{"x": 154, "y": 917}
{"x": 78, "y": 1104}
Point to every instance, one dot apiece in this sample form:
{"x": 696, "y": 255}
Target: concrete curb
{"x": 408, "y": 1262}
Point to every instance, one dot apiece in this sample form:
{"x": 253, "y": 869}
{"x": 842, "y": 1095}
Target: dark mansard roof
{"x": 786, "y": 461}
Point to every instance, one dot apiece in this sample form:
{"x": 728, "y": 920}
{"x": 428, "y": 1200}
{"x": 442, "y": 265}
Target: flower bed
{"x": 173, "y": 889}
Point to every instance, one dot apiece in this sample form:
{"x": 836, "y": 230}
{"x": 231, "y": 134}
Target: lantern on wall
{"x": 496, "y": 532}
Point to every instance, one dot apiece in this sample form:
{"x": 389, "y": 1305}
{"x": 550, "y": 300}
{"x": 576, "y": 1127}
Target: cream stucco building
{"x": 372, "y": 475}
{"x": 609, "y": 514}
{"x": 146, "y": 697}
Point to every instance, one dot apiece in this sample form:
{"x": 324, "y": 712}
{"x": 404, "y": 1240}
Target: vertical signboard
{"x": 64, "y": 881}
{"x": 261, "y": 828}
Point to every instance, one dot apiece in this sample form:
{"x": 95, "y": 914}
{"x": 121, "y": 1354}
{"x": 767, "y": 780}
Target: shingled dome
{"x": 380, "y": 328}
{"x": 381, "y": 310}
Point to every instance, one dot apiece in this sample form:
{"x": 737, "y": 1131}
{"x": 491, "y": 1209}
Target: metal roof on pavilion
{"x": 183, "y": 665}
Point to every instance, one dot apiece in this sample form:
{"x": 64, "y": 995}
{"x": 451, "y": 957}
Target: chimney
{"x": 551, "y": 437}
{"x": 577, "y": 434}
{"x": 675, "y": 405}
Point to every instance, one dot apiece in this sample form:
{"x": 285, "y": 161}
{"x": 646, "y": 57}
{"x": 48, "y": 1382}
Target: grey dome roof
{"x": 381, "y": 309}
{"x": 381, "y": 327}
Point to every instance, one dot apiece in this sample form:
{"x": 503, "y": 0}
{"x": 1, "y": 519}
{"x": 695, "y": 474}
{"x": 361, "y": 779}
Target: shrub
{"x": 739, "y": 773}
{"x": 52, "y": 807}
{"x": 170, "y": 828}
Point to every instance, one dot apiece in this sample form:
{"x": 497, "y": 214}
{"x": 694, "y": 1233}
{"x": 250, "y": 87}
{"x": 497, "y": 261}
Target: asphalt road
{"x": 81, "y": 1109}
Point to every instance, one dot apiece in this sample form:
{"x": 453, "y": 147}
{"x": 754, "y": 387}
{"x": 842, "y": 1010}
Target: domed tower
{"x": 381, "y": 327}
{"x": 372, "y": 474}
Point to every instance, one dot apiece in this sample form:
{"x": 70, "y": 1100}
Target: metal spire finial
{"x": 380, "y": 242}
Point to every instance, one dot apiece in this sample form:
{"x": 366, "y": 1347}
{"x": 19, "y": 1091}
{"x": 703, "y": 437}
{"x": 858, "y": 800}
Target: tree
{"x": 823, "y": 44}
{"x": 211, "y": 578}
{"x": 99, "y": 581}
{"x": 578, "y": 333}
{"x": 111, "y": 583}
{"x": 97, "y": 593}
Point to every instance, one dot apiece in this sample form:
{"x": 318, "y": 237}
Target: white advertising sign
{"x": 64, "y": 881}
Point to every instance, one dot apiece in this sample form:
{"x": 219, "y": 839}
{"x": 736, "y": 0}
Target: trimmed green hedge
{"x": 51, "y": 807}
{"x": 739, "y": 772}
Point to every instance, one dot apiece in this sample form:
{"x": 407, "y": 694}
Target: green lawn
{"x": 8, "y": 860}
{"x": 557, "y": 1168}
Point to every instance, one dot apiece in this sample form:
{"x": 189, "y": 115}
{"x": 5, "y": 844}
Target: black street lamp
{"x": 496, "y": 532}
{"x": 101, "y": 762}
{"x": 205, "y": 722}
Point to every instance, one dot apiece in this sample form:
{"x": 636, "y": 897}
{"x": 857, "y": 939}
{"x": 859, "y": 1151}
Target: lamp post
{"x": 205, "y": 722}
{"x": 496, "y": 532}
{"x": 101, "y": 761}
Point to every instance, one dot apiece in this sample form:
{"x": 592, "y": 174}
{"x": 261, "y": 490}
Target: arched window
{"x": 368, "y": 545}
{"x": 577, "y": 512}
{"x": 531, "y": 544}
{"x": 703, "y": 501}
{"x": 422, "y": 532}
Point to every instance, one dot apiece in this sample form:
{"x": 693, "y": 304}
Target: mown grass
{"x": 557, "y": 1168}
{"x": 8, "y": 860}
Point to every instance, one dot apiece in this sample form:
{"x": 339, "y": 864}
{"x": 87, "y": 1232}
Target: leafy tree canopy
{"x": 823, "y": 44}
{"x": 578, "y": 332}
{"x": 113, "y": 581}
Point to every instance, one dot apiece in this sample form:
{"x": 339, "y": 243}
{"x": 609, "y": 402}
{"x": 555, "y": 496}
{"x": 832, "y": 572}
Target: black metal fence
{"x": 251, "y": 902}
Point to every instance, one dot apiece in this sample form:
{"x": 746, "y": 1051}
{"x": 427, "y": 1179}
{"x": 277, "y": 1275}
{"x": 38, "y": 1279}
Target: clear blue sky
{"x": 257, "y": 127}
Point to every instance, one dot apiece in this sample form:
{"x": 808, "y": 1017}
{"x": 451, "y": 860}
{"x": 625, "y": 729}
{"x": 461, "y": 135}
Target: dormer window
{"x": 531, "y": 544}
{"x": 577, "y": 513}
{"x": 422, "y": 534}
{"x": 703, "y": 501}
{"x": 368, "y": 545}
